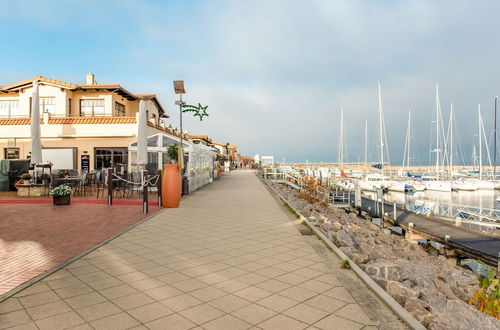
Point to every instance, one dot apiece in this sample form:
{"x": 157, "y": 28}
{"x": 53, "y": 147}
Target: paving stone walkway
{"x": 229, "y": 258}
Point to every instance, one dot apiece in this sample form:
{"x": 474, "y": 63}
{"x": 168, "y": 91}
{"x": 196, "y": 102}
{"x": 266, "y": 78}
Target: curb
{"x": 372, "y": 285}
{"x": 37, "y": 278}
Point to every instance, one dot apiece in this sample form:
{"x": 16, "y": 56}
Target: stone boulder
{"x": 345, "y": 239}
{"x": 384, "y": 269}
{"x": 400, "y": 292}
{"x": 457, "y": 314}
{"x": 419, "y": 310}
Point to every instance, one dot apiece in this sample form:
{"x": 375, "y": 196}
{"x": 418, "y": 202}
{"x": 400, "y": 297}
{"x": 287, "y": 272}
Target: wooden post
{"x": 498, "y": 265}
{"x": 145, "y": 197}
{"x": 110, "y": 186}
{"x": 158, "y": 189}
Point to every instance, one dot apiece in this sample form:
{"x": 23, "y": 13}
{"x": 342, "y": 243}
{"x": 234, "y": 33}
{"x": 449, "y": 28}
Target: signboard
{"x": 85, "y": 163}
{"x": 61, "y": 158}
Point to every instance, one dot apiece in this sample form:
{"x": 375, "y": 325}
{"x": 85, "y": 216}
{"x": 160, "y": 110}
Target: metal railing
{"x": 478, "y": 215}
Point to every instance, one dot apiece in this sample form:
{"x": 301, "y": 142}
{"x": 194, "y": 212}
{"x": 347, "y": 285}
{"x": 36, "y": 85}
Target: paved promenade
{"x": 229, "y": 258}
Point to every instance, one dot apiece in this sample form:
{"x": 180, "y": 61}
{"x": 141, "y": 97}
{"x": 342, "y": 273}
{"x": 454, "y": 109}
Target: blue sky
{"x": 274, "y": 73}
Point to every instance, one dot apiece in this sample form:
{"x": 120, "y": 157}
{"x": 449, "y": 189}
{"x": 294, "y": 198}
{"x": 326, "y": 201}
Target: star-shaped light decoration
{"x": 199, "y": 110}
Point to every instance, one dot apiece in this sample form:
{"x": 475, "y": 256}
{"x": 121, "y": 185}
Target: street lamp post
{"x": 179, "y": 89}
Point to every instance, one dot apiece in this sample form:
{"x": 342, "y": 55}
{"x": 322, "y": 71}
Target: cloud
{"x": 276, "y": 73}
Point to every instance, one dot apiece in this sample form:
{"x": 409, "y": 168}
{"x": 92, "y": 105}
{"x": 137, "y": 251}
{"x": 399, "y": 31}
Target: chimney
{"x": 90, "y": 79}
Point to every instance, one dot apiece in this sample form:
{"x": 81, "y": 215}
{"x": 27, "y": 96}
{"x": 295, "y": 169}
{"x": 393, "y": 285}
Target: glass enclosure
{"x": 199, "y": 165}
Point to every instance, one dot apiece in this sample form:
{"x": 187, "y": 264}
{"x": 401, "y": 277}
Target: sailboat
{"x": 374, "y": 181}
{"x": 461, "y": 184}
{"x": 405, "y": 185}
{"x": 483, "y": 184}
{"x": 433, "y": 182}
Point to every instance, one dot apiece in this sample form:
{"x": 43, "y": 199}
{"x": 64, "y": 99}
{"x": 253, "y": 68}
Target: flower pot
{"x": 62, "y": 200}
{"x": 171, "y": 186}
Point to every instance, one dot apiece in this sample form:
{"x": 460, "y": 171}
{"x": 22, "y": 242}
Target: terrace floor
{"x": 228, "y": 258}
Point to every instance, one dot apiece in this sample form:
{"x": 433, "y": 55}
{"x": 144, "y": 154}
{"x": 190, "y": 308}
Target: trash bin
{"x": 185, "y": 185}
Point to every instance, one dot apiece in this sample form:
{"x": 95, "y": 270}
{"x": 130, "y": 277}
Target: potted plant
{"x": 61, "y": 195}
{"x": 171, "y": 180}
{"x": 173, "y": 153}
{"x": 25, "y": 178}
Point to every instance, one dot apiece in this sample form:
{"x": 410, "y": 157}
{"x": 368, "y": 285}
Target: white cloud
{"x": 275, "y": 73}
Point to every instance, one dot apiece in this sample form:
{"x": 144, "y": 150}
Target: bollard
{"x": 395, "y": 212}
{"x": 158, "y": 189}
{"x": 110, "y": 186}
{"x": 145, "y": 194}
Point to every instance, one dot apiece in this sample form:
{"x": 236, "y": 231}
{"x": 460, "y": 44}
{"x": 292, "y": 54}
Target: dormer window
{"x": 93, "y": 107}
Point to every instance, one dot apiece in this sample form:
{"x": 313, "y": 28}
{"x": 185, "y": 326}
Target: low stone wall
{"x": 32, "y": 190}
{"x": 433, "y": 290}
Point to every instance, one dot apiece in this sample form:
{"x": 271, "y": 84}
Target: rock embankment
{"x": 433, "y": 290}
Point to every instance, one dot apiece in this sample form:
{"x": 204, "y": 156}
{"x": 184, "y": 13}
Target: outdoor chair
{"x": 101, "y": 182}
{"x": 88, "y": 183}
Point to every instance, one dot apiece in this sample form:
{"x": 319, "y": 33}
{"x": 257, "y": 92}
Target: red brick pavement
{"x": 36, "y": 237}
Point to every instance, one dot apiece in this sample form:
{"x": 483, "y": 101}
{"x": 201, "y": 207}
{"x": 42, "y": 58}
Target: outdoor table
{"x": 69, "y": 179}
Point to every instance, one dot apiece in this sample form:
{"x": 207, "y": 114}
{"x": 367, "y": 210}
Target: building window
{"x": 116, "y": 158}
{"x": 69, "y": 107}
{"x": 11, "y": 153}
{"x": 9, "y": 108}
{"x": 119, "y": 109}
{"x": 93, "y": 107}
{"x": 48, "y": 104}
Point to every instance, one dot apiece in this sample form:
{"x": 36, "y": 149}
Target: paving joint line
{"x": 52, "y": 270}
{"x": 370, "y": 283}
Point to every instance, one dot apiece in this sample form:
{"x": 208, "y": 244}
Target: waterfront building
{"x": 83, "y": 126}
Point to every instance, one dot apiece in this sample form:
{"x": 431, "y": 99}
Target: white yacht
{"x": 432, "y": 183}
{"x": 465, "y": 185}
{"x": 373, "y": 181}
{"x": 485, "y": 184}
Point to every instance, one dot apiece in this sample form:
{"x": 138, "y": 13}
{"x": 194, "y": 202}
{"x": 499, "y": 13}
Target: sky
{"x": 275, "y": 74}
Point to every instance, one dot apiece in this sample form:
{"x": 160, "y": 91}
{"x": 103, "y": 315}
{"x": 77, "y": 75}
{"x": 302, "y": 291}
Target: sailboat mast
{"x": 341, "y": 140}
{"x": 451, "y": 141}
{"x": 366, "y": 141}
{"x": 409, "y": 139}
{"x": 437, "y": 131}
{"x": 480, "y": 144}
{"x": 380, "y": 118}
{"x": 495, "y": 142}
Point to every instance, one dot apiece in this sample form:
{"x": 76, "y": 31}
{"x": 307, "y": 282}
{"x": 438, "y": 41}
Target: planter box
{"x": 62, "y": 200}
{"x": 30, "y": 190}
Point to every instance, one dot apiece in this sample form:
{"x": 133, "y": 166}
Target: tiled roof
{"x": 14, "y": 87}
{"x": 42, "y": 79}
{"x": 91, "y": 120}
{"x": 71, "y": 120}
{"x": 15, "y": 121}
{"x": 222, "y": 144}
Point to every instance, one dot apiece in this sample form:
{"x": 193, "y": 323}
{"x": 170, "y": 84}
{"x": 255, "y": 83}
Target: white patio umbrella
{"x": 142, "y": 135}
{"x": 36, "y": 143}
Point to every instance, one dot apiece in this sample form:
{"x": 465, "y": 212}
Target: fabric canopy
{"x": 36, "y": 143}
{"x": 142, "y": 135}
